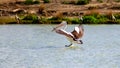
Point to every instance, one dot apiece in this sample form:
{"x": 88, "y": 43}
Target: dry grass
{"x": 7, "y": 19}
{"x": 58, "y": 15}
{"x": 94, "y": 11}
{"x": 7, "y": 1}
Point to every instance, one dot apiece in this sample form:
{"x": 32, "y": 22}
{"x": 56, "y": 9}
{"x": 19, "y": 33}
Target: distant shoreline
{"x": 88, "y": 19}
{"x": 53, "y": 13}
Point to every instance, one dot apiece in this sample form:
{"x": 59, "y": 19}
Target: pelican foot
{"x": 68, "y": 45}
{"x": 81, "y": 41}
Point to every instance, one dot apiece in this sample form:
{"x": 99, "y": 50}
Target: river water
{"x": 35, "y": 46}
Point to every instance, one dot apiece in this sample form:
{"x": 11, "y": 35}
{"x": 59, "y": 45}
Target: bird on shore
{"x": 74, "y": 36}
{"x": 17, "y": 19}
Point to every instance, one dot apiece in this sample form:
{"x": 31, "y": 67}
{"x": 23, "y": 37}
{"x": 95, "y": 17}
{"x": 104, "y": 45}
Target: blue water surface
{"x": 35, "y": 46}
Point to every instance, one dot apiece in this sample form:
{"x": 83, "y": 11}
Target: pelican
{"x": 74, "y": 36}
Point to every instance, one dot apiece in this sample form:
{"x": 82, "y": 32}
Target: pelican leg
{"x": 68, "y": 45}
{"x": 81, "y": 41}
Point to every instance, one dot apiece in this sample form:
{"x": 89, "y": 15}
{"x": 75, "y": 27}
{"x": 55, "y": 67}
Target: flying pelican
{"x": 74, "y": 36}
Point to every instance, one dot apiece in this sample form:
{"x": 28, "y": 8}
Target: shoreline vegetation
{"x": 42, "y": 13}
{"x": 87, "y": 19}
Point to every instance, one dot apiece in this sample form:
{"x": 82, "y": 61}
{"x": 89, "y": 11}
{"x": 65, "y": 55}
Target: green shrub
{"x": 68, "y": 2}
{"x": 65, "y": 2}
{"x": 46, "y": 1}
{"x": 102, "y": 21}
{"x": 117, "y": 0}
{"x": 67, "y": 19}
{"x": 101, "y": 1}
{"x": 117, "y": 16}
{"x": 33, "y": 18}
{"x": 82, "y": 2}
{"x": 36, "y": 2}
{"x": 118, "y": 21}
{"x": 89, "y": 20}
{"x": 96, "y": 15}
{"x": 96, "y": 19}
{"x": 44, "y": 20}
{"x": 29, "y": 2}
{"x": 75, "y": 21}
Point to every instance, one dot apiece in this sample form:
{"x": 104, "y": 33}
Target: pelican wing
{"x": 62, "y": 25}
{"x": 78, "y": 32}
{"x": 65, "y": 33}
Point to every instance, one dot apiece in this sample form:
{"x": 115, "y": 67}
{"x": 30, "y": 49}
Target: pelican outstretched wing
{"x": 62, "y": 25}
{"x": 65, "y": 33}
{"x": 60, "y": 29}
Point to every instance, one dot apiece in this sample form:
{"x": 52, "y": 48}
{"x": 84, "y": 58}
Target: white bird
{"x": 113, "y": 17}
{"x": 17, "y": 19}
{"x": 74, "y": 36}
